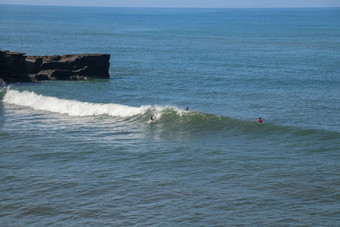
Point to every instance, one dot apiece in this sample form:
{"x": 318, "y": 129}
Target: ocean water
{"x": 83, "y": 153}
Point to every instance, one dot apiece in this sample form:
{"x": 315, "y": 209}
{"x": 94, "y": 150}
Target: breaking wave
{"x": 70, "y": 107}
{"x": 172, "y": 119}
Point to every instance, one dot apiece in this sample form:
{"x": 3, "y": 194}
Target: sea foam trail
{"x": 70, "y": 107}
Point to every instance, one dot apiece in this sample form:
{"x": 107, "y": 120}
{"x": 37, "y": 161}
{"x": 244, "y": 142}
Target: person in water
{"x": 187, "y": 108}
{"x": 259, "y": 120}
{"x": 152, "y": 118}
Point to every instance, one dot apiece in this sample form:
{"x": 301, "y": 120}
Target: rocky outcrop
{"x": 16, "y": 67}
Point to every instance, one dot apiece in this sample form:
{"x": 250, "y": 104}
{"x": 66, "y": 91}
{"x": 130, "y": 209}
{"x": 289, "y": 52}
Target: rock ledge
{"x": 16, "y": 67}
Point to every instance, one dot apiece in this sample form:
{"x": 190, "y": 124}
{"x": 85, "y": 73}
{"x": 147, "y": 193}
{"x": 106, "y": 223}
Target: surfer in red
{"x": 259, "y": 120}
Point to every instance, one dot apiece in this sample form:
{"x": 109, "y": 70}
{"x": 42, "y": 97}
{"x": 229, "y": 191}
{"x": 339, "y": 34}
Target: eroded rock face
{"x": 16, "y": 67}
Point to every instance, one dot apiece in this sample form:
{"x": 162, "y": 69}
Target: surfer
{"x": 152, "y": 118}
{"x": 259, "y": 120}
{"x": 187, "y": 108}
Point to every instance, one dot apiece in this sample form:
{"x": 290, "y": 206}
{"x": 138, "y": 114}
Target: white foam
{"x": 70, "y": 107}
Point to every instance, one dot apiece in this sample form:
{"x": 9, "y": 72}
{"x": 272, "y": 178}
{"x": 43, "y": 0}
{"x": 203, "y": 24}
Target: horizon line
{"x": 174, "y": 7}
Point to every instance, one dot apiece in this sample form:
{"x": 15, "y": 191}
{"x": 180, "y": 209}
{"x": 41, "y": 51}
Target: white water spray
{"x": 70, "y": 107}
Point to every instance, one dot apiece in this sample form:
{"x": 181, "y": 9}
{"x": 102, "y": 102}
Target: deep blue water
{"x": 79, "y": 153}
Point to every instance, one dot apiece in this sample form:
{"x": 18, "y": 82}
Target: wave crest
{"x": 70, "y": 107}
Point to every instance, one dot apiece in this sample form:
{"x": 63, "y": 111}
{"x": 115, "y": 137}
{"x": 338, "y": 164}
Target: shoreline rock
{"x": 16, "y": 67}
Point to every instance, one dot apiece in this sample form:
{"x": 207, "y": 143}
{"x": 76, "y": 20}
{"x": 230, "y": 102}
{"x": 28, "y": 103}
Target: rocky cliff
{"x": 16, "y": 67}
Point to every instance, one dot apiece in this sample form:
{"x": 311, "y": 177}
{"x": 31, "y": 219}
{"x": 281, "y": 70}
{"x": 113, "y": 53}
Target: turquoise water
{"x": 84, "y": 153}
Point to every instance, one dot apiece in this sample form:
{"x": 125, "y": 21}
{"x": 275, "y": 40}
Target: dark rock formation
{"x": 16, "y": 67}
